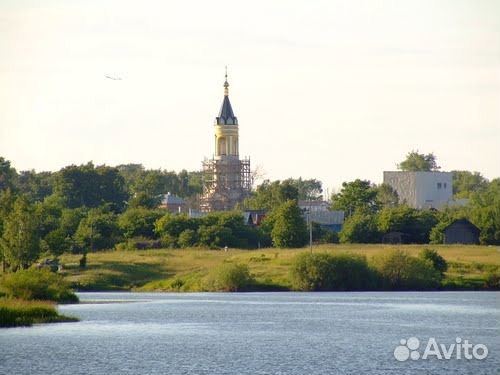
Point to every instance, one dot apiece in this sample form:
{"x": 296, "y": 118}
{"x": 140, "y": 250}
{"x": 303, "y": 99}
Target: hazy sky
{"x": 333, "y": 90}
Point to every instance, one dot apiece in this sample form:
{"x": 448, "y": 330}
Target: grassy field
{"x": 184, "y": 269}
{"x": 16, "y": 312}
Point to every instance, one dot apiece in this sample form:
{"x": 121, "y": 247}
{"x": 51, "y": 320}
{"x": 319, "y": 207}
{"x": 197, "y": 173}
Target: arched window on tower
{"x": 222, "y": 146}
{"x": 235, "y": 146}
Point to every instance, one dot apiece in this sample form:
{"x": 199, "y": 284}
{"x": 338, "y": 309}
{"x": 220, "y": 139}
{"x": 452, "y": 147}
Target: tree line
{"x": 90, "y": 208}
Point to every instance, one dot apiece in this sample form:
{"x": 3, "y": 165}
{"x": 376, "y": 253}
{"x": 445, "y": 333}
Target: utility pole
{"x": 310, "y": 229}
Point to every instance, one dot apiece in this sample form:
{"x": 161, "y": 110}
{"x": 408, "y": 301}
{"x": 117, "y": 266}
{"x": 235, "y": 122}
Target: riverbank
{"x": 469, "y": 267}
{"x": 16, "y": 312}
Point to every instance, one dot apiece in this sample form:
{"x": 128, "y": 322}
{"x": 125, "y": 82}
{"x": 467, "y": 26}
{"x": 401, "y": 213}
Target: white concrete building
{"x": 422, "y": 189}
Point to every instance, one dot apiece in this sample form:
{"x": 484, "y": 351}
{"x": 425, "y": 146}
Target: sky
{"x": 333, "y": 90}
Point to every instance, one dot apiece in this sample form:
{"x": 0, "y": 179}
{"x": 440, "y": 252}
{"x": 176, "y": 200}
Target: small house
{"x": 461, "y": 232}
{"x": 173, "y": 203}
{"x": 330, "y": 220}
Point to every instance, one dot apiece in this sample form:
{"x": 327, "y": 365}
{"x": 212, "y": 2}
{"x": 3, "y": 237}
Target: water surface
{"x": 255, "y": 333}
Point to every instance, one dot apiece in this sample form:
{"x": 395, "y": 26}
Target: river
{"x": 259, "y": 333}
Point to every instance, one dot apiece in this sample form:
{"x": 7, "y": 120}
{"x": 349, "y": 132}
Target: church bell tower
{"x": 226, "y": 177}
{"x": 226, "y": 128}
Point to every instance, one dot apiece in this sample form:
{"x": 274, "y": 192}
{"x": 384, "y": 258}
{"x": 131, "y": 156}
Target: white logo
{"x": 457, "y": 350}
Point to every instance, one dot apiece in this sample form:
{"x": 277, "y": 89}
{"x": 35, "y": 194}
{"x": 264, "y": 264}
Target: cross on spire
{"x": 226, "y": 114}
{"x": 226, "y": 85}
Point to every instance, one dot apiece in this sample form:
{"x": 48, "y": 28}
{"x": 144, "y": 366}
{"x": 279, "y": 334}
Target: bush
{"x": 35, "y": 284}
{"x": 436, "y": 235}
{"x": 360, "y": 228}
{"x": 437, "y": 260}
{"x": 168, "y": 241}
{"x": 173, "y": 225}
{"x": 139, "y": 243}
{"x": 216, "y": 230}
{"x": 492, "y": 280}
{"x": 215, "y": 236}
{"x": 25, "y": 313}
{"x": 229, "y": 277}
{"x": 400, "y": 271}
{"x": 188, "y": 238}
{"x": 326, "y": 272}
{"x": 240, "y": 236}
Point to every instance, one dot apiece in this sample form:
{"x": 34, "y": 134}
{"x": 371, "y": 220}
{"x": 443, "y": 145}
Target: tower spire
{"x": 226, "y": 85}
{"x": 226, "y": 114}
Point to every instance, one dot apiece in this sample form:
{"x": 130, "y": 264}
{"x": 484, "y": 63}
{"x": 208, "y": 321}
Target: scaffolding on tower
{"x": 226, "y": 182}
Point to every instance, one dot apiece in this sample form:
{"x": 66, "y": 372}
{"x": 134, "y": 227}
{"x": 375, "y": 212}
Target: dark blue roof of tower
{"x": 226, "y": 114}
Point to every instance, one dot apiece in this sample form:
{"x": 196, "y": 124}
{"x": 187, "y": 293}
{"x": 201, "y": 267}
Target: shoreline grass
{"x": 183, "y": 270}
{"x": 18, "y": 312}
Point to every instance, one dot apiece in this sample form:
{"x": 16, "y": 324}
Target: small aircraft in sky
{"x": 114, "y": 78}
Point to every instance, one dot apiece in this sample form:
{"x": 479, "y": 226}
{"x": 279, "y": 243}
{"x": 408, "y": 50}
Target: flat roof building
{"x": 421, "y": 189}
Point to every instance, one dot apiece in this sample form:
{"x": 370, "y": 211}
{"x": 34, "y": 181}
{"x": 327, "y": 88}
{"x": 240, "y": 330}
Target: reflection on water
{"x": 254, "y": 333}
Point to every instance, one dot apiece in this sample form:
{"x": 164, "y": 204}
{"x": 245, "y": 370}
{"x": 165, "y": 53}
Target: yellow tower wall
{"x": 226, "y": 140}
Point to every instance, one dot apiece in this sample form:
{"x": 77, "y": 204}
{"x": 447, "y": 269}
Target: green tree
{"x": 416, "y": 162}
{"x": 20, "y": 241}
{"x": 171, "y": 225}
{"x": 8, "y": 175}
{"x": 243, "y": 236}
{"x": 112, "y": 190}
{"x": 288, "y": 226}
{"x": 7, "y": 199}
{"x": 360, "y": 228}
{"x": 156, "y": 182}
{"x": 137, "y": 222}
{"x": 90, "y": 186}
{"x": 195, "y": 183}
{"x": 71, "y": 218}
{"x": 484, "y": 212}
{"x": 57, "y": 242}
{"x": 386, "y": 196}
{"x": 131, "y": 173}
{"x": 49, "y": 215}
{"x": 358, "y": 194}
{"x": 36, "y": 186}
{"x": 58, "y": 232}
{"x": 144, "y": 200}
{"x": 153, "y": 183}
{"x": 415, "y": 224}
{"x": 465, "y": 183}
{"x": 310, "y": 189}
{"x": 97, "y": 231}
{"x": 270, "y": 195}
